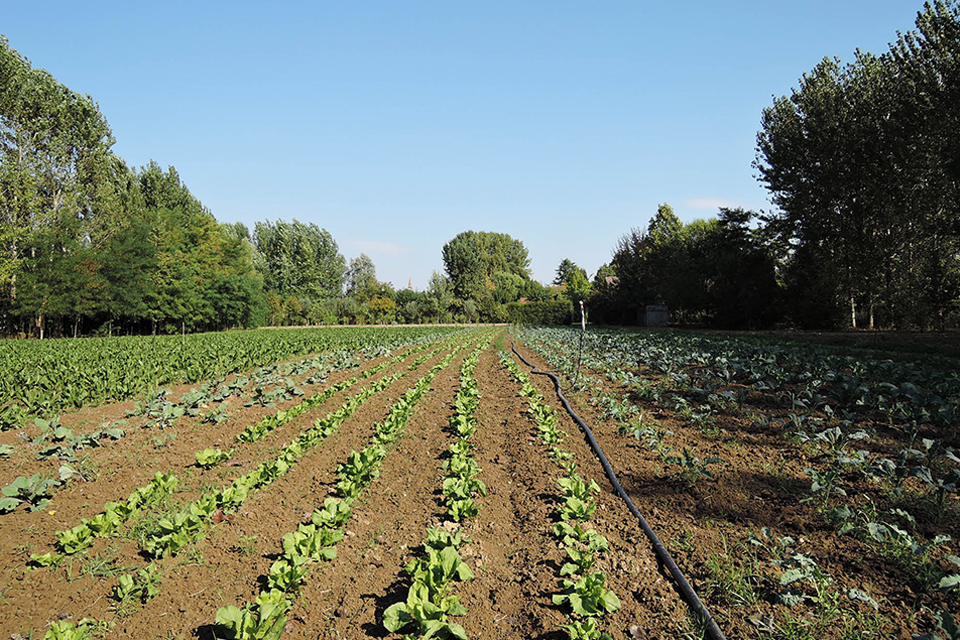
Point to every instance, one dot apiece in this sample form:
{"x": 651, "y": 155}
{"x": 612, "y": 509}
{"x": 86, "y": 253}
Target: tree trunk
{"x": 853, "y": 313}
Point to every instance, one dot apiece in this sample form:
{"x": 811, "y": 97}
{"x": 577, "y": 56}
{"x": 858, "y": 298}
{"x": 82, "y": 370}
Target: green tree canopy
{"x": 863, "y": 162}
{"x": 472, "y": 258}
{"x": 299, "y": 259}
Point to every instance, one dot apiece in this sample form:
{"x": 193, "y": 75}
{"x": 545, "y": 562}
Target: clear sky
{"x": 396, "y": 125}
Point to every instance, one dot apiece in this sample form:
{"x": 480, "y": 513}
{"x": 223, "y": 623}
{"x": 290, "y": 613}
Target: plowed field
{"x": 516, "y": 558}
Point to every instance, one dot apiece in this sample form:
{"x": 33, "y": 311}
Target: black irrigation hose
{"x": 713, "y": 631}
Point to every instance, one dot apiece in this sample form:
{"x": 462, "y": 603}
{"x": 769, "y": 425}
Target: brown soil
{"x": 760, "y": 482}
{"x": 512, "y": 551}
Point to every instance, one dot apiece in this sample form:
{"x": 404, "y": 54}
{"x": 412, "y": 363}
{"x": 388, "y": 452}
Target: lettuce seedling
{"x": 576, "y": 487}
{"x": 588, "y": 596}
{"x": 430, "y": 619}
{"x": 63, "y": 630}
{"x": 266, "y": 623}
{"x": 585, "y": 630}
{"x": 287, "y": 574}
{"x": 76, "y": 539}
{"x": 334, "y": 513}
{"x": 211, "y": 457}
{"x": 576, "y": 509}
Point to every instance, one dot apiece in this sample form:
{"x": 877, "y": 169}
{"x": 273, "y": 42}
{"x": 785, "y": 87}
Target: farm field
{"x": 411, "y": 482}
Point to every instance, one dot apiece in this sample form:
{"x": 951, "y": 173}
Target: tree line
{"x": 862, "y": 161}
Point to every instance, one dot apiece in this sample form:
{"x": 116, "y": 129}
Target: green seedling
{"x": 588, "y": 596}
{"x": 212, "y": 457}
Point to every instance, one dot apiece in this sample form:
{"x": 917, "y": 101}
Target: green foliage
{"x": 840, "y": 158}
{"x": 263, "y": 622}
{"x": 585, "y": 630}
{"x": 33, "y": 491}
{"x": 211, "y": 457}
{"x": 44, "y": 377}
{"x": 139, "y": 587}
{"x": 427, "y": 606}
{"x": 718, "y": 271}
{"x": 551, "y": 312}
{"x": 588, "y": 595}
{"x": 472, "y": 259}
{"x": 64, "y": 630}
{"x": 691, "y": 469}
{"x": 299, "y": 259}
{"x": 945, "y": 623}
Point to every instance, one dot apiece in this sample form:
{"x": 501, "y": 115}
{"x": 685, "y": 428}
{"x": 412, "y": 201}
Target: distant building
{"x": 656, "y": 315}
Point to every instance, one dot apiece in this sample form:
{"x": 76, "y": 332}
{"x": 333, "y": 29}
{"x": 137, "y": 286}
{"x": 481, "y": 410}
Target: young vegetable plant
{"x": 588, "y": 596}
{"x": 691, "y": 469}
{"x": 33, "y": 491}
{"x": 64, "y": 630}
{"x": 140, "y": 587}
{"x": 428, "y": 607}
{"x": 585, "y": 630}
{"x": 212, "y": 457}
{"x": 265, "y": 622}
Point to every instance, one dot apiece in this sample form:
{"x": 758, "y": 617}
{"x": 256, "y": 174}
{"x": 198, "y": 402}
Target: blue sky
{"x": 397, "y": 125}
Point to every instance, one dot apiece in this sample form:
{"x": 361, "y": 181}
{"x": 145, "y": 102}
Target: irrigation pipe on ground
{"x": 693, "y": 600}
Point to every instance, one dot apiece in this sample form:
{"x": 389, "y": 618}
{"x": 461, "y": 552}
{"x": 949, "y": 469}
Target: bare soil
{"x": 512, "y": 551}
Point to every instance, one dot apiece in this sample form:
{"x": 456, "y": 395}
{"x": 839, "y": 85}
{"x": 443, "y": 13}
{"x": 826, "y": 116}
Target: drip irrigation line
{"x": 693, "y": 600}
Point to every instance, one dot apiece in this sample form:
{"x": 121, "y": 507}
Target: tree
{"x": 563, "y": 270}
{"x": 439, "y": 298}
{"x": 864, "y": 166}
{"x": 299, "y": 259}
{"x": 54, "y": 154}
{"x": 472, "y": 258}
{"x": 508, "y": 287}
{"x": 361, "y": 278}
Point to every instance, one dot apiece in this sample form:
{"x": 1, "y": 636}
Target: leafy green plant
{"x": 76, "y": 539}
{"x": 945, "y": 623}
{"x": 570, "y": 534}
{"x": 587, "y": 629}
{"x": 824, "y": 484}
{"x": 212, "y": 457}
{"x": 286, "y": 574}
{"x": 34, "y": 491}
{"x": 577, "y": 509}
{"x": 64, "y": 630}
{"x": 265, "y": 622}
{"x": 312, "y": 542}
{"x": 580, "y": 562}
{"x": 431, "y": 620}
{"x": 428, "y": 606}
{"x": 141, "y": 587}
{"x": 588, "y": 595}
{"x": 334, "y": 513}
{"x": 576, "y": 487}
{"x": 49, "y": 559}
{"x": 173, "y": 534}
{"x": 691, "y": 469}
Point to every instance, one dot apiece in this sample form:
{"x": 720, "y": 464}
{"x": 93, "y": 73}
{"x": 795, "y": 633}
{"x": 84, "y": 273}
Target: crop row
{"x": 43, "y": 378}
{"x": 873, "y": 475}
{"x": 429, "y": 605}
{"x": 582, "y": 591}
{"x": 36, "y": 491}
{"x": 173, "y": 533}
{"x": 265, "y": 617}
